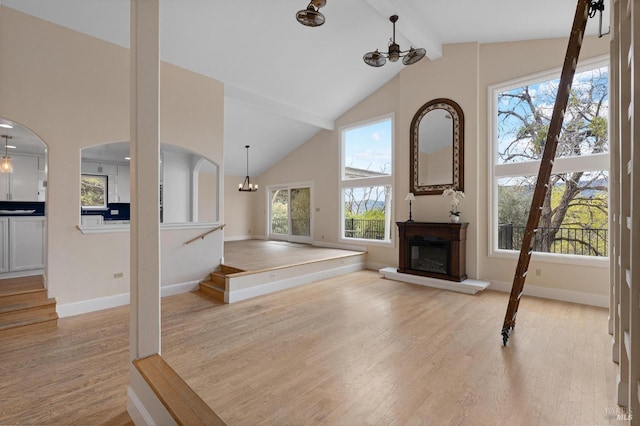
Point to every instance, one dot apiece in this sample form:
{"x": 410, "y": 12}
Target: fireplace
{"x": 432, "y": 249}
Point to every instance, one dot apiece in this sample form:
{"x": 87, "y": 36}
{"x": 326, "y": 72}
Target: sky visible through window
{"x": 585, "y": 84}
{"x": 369, "y": 147}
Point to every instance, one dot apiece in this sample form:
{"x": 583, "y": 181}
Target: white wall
{"x": 463, "y": 74}
{"x": 177, "y": 187}
{"x": 240, "y": 209}
{"x": 73, "y": 92}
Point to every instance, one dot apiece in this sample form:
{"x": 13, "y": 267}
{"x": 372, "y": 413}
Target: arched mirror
{"x": 437, "y": 148}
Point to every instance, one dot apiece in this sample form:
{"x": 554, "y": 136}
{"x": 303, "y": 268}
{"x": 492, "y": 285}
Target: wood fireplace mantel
{"x": 415, "y": 237}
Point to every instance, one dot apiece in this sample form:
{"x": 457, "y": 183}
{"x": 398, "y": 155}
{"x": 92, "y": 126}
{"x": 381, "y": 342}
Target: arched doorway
{"x": 23, "y": 196}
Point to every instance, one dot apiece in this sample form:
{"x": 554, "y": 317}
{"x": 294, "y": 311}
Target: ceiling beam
{"x": 409, "y": 26}
{"x": 277, "y": 107}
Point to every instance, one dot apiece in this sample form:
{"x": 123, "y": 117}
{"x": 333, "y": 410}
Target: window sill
{"x": 107, "y": 228}
{"x": 566, "y": 259}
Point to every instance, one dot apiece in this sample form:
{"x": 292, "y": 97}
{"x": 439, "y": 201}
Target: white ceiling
{"x": 285, "y": 82}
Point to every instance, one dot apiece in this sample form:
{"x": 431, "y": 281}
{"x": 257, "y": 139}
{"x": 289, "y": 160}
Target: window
{"x": 574, "y": 219}
{"x": 93, "y": 192}
{"x": 366, "y": 181}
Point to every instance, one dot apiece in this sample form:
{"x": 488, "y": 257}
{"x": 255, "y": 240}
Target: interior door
{"x": 290, "y": 213}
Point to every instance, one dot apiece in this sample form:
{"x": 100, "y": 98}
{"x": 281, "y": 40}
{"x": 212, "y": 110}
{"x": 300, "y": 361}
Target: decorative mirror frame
{"x": 458, "y": 147}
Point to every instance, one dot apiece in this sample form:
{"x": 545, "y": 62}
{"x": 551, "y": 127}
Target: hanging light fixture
{"x": 247, "y": 186}
{"x": 594, "y": 7}
{"x": 5, "y": 164}
{"x": 409, "y": 57}
{"x": 311, "y": 16}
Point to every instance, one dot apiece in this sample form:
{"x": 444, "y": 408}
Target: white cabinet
{"x": 22, "y": 184}
{"x": 26, "y": 243}
{"x": 89, "y": 167}
{"x": 4, "y": 244}
{"x": 21, "y": 243}
{"x": 124, "y": 184}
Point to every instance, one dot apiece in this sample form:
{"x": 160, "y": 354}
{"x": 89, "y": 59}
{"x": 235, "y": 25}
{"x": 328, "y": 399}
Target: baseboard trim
{"x": 173, "y": 289}
{"x": 271, "y": 287}
{"x": 556, "y": 294}
{"x": 373, "y": 266}
{"x": 137, "y": 411}
{"x": 92, "y": 305}
{"x": 98, "y": 304}
{"x": 237, "y": 238}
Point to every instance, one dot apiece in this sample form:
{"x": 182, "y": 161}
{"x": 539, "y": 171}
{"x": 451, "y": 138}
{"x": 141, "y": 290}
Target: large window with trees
{"x": 574, "y": 218}
{"x": 366, "y": 180}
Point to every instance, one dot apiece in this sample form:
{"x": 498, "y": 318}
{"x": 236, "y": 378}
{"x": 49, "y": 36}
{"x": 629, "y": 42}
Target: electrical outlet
{"x": 272, "y": 275}
{"x": 118, "y": 275}
{"x": 538, "y": 272}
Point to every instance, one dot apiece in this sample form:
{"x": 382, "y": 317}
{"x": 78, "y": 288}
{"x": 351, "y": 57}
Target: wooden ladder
{"x": 544, "y": 174}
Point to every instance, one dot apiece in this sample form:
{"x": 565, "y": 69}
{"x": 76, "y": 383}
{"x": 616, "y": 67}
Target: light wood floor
{"x": 259, "y": 255}
{"x": 352, "y": 350}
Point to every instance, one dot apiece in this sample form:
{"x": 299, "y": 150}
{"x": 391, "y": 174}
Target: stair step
{"x": 40, "y": 308}
{"x": 28, "y": 326}
{"x": 21, "y": 284}
{"x": 213, "y": 290}
{"x": 226, "y": 270}
{"x": 218, "y": 278}
{"x": 22, "y": 296}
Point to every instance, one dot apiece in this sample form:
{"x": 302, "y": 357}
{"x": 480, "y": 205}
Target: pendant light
{"x": 5, "y": 164}
{"x": 247, "y": 186}
{"x": 311, "y": 16}
{"x": 409, "y": 57}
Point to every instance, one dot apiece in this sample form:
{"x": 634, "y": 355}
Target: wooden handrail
{"x": 182, "y": 402}
{"x": 201, "y": 236}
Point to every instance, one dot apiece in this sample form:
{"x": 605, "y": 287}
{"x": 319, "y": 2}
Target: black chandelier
{"x": 411, "y": 56}
{"x": 311, "y": 16}
{"x": 247, "y": 186}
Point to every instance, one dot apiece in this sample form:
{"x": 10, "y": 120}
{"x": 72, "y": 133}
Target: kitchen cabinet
{"x": 22, "y": 184}
{"x": 22, "y": 243}
{"x": 124, "y": 184}
{"x": 4, "y": 244}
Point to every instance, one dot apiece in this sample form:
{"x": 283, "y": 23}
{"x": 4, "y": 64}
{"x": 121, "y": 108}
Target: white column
{"x": 143, "y": 405}
{"x": 145, "y": 158}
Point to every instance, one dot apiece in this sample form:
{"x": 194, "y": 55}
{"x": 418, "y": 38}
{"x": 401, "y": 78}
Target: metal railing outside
{"x": 300, "y": 227}
{"x": 370, "y": 229}
{"x": 580, "y": 241}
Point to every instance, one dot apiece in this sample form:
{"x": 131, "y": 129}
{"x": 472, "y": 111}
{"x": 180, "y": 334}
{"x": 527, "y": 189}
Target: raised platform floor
{"x": 269, "y": 266}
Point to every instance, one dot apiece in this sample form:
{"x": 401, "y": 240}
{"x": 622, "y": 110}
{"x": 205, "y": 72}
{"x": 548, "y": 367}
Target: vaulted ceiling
{"x": 284, "y": 82}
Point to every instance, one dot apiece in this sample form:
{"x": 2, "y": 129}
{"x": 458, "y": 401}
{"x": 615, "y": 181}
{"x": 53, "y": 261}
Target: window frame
{"x": 496, "y": 171}
{"x": 367, "y": 182}
{"x": 106, "y": 191}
